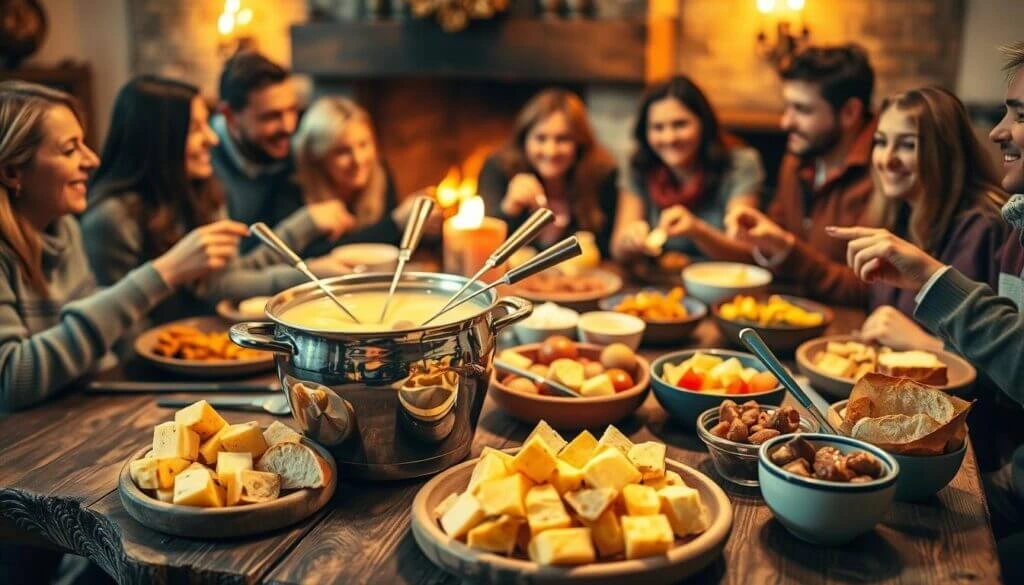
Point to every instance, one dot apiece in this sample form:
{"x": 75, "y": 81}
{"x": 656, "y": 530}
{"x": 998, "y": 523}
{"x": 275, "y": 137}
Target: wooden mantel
{"x": 566, "y": 51}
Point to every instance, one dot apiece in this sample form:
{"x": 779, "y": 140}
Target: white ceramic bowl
{"x": 368, "y": 257}
{"x": 607, "y": 327}
{"x": 530, "y": 330}
{"x": 713, "y": 281}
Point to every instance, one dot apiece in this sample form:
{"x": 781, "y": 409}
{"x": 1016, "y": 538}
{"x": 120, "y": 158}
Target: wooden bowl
{"x": 228, "y": 310}
{"x": 684, "y": 559}
{"x": 563, "y": 412}
{"x": 145, "y": 342}
{"x": 228, "y": 522}
{"x": 780, "y": 338}
{"x": 586, "y": 301}
{"x": 960, "y": 373}
{"x": 665, "y": 331}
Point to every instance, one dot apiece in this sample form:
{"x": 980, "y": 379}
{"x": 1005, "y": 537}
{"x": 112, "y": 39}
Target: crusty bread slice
{"x": 258, "y": 486}
{"x": 278, "y": 432}
{"x": 298, "y": 465}
{"x": 894, "y": 428}
{"x": 921, "y": 366}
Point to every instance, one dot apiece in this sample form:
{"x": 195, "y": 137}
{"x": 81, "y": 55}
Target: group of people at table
{"x": 899, "y": 210}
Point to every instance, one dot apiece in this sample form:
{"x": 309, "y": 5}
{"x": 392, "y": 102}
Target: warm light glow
{"x": 225, "y": 24}
{"x": 796, "y": 4}
{"x": 245, "y": 15}
{"x": 766, "y": 6}
{"x": 233, "y": 17}
{"x": 447, "y": 193}
{"x": 470, "y": 215}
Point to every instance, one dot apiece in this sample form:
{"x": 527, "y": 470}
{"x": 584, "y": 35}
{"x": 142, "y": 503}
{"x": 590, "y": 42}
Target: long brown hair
{"x": 22, "y": 109}
{"x": 955, "y": 171}
{"x": 593, "y": 161}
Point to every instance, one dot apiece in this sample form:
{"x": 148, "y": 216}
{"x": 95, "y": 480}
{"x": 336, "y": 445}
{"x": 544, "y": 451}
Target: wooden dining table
{"x": 59, "y": 465}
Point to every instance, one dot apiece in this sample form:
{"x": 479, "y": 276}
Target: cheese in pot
{"x": 407, "y": 311}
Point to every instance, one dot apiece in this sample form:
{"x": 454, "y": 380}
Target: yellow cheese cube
{"x": 613, "y": 437}
{"x": 562, "y": 546}
{"x": 646, "y": 536}
{"x": 195, "y": 487}
{"x": 648, "y": 458}
{"x": 535, "y": 460}
{"x": 201, "y": 418}
{"x": 167, "y": 469}
{"x": 144, "y": 473}
{"x": 498, "y": 535}
{"x": 501, "y": 454}
{"x": 684, "y": 509}
{"x": 445, "y": 505}
{"x": 165, "y": 495}
{"x": 490, "y": 466}
{"x": 590, "y": 504}
{"x": 579, "y": 450}
{"x": 640, "y": 500}
{"x": 253, "y": 487}
{"x": 566, "y": 478}
{"x": 464, "y": 515}
{"x": 610, "y": 469}
{"x": 244, "y": 438}
{"x": 670, "y": 478}
{"x": 173, "y": 439}
{"x": 504, "y": 495}
{"x": 554, "y": 441}
{"x": 228, "y": 467}
{"x": 607, "y": 534}
{"x": 211, "y": 447}
{"x": 279, "y": 432}
{"x": 544, "y": 509}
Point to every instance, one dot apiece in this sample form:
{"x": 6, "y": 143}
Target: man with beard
{"x": 258, "y": 113}
{"x": 825, "y": 178}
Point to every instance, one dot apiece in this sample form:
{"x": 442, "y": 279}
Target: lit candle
{"x": 469, "y": 238}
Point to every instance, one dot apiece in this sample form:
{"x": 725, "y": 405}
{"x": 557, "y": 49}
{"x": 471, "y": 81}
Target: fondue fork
{"x": 536, "y": 378}
{"x": 421, "y": 208}
{"x": 560, "y": 252}
{"x": 526, "y": 233}
{"x": 269, "y": 238}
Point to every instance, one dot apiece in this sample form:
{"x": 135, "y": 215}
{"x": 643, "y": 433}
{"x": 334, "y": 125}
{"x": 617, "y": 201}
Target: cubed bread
{"x": 649, "y": 459}
{"x": 590, "y": 504}
{"x": 254, "y": 487}
{"x": 278, "y": 432}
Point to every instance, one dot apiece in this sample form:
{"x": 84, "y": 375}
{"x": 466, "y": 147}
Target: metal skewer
{"x": 560, "y": 252}
{"x": 421, "y": 208}
{"x": 269, "y": 238}
{"x": 526, "y": 233}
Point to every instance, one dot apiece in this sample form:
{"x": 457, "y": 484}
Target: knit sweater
{"x": 46, "y": 343}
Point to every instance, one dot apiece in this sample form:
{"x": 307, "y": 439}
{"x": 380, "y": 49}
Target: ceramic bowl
{"x": 368, "y": 257}
{"x": 780, "y": 338}
{"x": 711, "y": 282}
{"x": 666, "y": 331}
{"x": 528, "y": 331}
{"x": 608, "y": 327}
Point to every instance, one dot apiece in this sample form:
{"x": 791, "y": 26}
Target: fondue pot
{"x": 388, "y": 404}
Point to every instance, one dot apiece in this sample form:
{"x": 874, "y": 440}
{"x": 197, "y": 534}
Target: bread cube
{"x": 648, "y": 458}
{"x": 640, "y": 500}
{"x": 607, "y": 534}
{"x": 554, "y": 441}
{"x": 173, "y": 439}
{"x": 613, "y": 437}
{"x": 684, "y": 510}
{"x": 646, "y": 536}
{"x": 504, "y": 495}
{"x": 195, "y": 487}
{"x": 579, "y": 450}
{"x": 445, "y": 505}
{"x": 244, "y": 438}
{"x": 144, "y": 473}
{"x": 544, "y": 509}
{"x": 201, "y": 418}
{"x": 590, "y": 504}
{"x": 253, "y": 487}
{"x": 610, "y": 469}
{"x": 464, "y": 515}
{"x": 279, "y": 432}
{"x": 167, "y": 469}
{"x": 535, "y": 460}
{"x": 490, "y": 466}
{"x": 210, "y": 448}
{"x": 566, "y": 478}
{"x": 228, "y": 466}
{"x": 670, "y": 478}
{"x": 498, "y": 535}
{"x": 562, "y": 546}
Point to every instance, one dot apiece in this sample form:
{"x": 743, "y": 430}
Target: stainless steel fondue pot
{"x": 388, "y": 404}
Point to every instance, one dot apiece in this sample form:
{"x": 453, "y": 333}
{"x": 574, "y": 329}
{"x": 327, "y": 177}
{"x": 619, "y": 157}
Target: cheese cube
{"x": 562, "y": 546}
{"x": 173, "y": 439}
{"x": 201, "y": 418}
{"x": 613, "y": 437}
{"x": 228, "y": 467}
{"x": 579, "y": 450}
{"x": 589, "y": 505}
{"x": 167, "y": 469}
{"x": 640, "y": 500}
{"x": 544, "y": 509}
{"x": 490, "y": 466}
{"x": 498, "y": 535}
{"x": 566, "y": 478}
{"x": 279, "y": 432}
{"x": 195, "y": 487}
{"x": 144, "y": 473}
{"x": 610, "y": 469}
{"x": 516, "y": 359}
{"x": 607, "y": 534}
{"x": 646, "y": 536}
{"x": 501, "y": 454}
{"x": 600, "y": 385}
{"x": 254, "y": 487}
{"x": 535, "y": 460}
{"x": 684, "y": 510}
{"x": 670, "y": 478}
{"x": 649, "y": 459}
{"x": 244, "y": 438}
{"x": 464, "y": 515}
{"x": 445, "y": 505}
{"x": 165, "y": 495}
{"x": 554, "y": 441}
{"x": 211, "y": 447}
{"x": 504, "y": 495}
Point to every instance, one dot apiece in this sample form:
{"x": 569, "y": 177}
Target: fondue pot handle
{"x": 258, "y": 335}
{"x": 517, "y": 309}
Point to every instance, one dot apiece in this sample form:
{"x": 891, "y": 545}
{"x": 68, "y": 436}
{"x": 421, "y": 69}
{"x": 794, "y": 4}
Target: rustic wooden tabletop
{"x": 58, "y": 475}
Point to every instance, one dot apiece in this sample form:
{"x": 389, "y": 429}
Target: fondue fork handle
{"x": 421, "y": 208}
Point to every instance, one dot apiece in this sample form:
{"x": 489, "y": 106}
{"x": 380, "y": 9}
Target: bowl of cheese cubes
{"x": 587, "y": 510}
{"x": 202, "y": 477}
{"x": 782, "y": 321}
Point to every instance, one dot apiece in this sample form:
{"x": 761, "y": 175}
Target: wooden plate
{"x": 578, "y": 301}
{"x": 960, "y": 373}
{"x": 195, "y": 522}
{"x": 563, "y": 412}
{"x": 684, "y": 559}
{"x": 201, "y": 368}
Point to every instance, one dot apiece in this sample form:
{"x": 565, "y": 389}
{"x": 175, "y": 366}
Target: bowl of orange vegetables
{"x": 670, "y": 315}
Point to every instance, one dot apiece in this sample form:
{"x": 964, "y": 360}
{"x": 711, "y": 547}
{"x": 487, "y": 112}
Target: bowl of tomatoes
{"x": 687, "y": 383}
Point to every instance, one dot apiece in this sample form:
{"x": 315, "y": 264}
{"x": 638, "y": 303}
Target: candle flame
{"x": 470, "y": 215}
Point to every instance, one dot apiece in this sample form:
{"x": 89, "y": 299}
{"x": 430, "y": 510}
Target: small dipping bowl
{"x": 607, "y": 327}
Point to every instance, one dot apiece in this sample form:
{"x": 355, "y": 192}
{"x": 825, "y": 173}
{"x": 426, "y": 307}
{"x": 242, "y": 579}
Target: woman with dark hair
{"x": 553, "y": 160}
{"x": 686, "y": 174}
{"x": 156, "y": 183}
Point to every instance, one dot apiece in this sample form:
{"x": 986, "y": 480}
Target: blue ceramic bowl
{"x": 686, "y": 405}
{"x": 826, "y": 512}
{"x": 659, "y": 332}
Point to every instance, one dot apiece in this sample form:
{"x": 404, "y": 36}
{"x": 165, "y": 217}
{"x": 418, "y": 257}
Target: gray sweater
{"x": 46, "y": 343}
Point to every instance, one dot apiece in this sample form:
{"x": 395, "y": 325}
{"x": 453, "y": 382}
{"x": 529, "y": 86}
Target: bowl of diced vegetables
{"x": 782, "y": 321}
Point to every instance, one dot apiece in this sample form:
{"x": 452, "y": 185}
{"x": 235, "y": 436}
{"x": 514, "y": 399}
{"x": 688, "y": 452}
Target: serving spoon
{"x": 421, "y": 208}
{"x": 536, "y": 378}
{"x": 269, "y": 238}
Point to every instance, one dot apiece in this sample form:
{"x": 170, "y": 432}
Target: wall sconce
{"x": 233, "y": 28}
{"x": 791, "y": 34}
